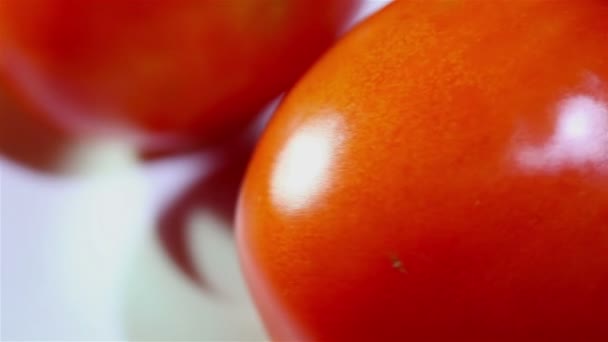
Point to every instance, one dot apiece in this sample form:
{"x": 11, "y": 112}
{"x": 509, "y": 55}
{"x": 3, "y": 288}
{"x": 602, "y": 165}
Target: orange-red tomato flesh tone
{"x": 440, "y": 175}
{"x": 165, "y": 72}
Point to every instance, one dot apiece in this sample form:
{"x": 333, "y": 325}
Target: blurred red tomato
{"x": 31, "y": 142}
{"x": 172, "y": 71}
{"x": 440, "y": 175}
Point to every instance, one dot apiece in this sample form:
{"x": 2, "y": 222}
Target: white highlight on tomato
{"x": 302, "y": 168}
{"x": 580, "y": 137}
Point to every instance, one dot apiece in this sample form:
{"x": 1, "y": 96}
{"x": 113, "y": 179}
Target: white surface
{"x": 81, "y": 261}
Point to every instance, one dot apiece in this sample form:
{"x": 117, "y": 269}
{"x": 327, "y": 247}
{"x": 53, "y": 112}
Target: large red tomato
{"x": 173, "y": 71}
{"x": 441, "y": 175}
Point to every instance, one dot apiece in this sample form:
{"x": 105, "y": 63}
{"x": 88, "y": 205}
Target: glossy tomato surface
{"x": 440, "y": 175}
{"x": 168, "y": 70}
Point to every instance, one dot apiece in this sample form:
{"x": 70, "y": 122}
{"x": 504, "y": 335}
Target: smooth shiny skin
{"x": 440, "y": 175}
{"x": 163, "y": 72}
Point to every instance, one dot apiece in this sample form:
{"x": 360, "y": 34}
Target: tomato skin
{"x": 31, "y": 142}
{"x": 440, "y": 175}
{"x": 163, "y": 71}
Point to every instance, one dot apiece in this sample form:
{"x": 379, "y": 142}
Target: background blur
{"x": 118, "y": 250}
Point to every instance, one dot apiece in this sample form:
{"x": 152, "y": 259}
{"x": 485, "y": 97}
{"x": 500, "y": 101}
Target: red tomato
{"x": 440, "y": 175}
{"x": 31, "y": 142}
{"x": 173, "y": 71}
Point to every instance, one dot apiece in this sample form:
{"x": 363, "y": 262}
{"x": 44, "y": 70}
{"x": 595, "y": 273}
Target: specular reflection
{"x": 580, "y": 138}
{"x": 301, "y": 171}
